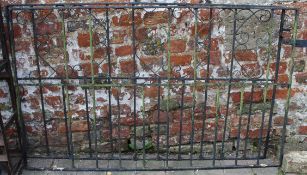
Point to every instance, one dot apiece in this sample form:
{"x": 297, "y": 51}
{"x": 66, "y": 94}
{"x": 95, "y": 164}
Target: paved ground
{"x": 248, "y": 171}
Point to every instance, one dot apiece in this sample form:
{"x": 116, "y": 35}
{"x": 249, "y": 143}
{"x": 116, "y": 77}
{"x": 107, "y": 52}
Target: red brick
{"x": 123, "y": 51}
{"x": 257, "y": 97}
{"x": 253, "y": 134}
{"x": 44, "y": 90}
{"x": 189, "y": 72}
{"x": 79, "y": 99}
{"x": 127, "y": 66}
{"x": 87, "y": 69}
{"x": 154, "y": 18}
{"x": 126, "y": 20}
{"x": 245, "y": 55}
{"x": 124, "y": 132}
{"x": 181, "y": 60}
{"x": 141, "y": 34}
{"x": 60, "y": 71}
{"x": 52, "y": 88}
{"x": 152, "y": 92}
{"x": 76, "y": 126}
{"x": 22, "y": 46}
{"x": 34, "y": 102}
{"x": 2, "y": 94}
{"x": 177, "y": 46}
{"x": 148, "y": 62}
{"x": 302, "y": 130}
{"x": 214, "y": 44}
{"x": 99, "y": 53}
{"x": 282, "y": 67}
{"x": 301, "y": 77}
{"x": 163, "y": 116}
{"x": 203, "y": 73}
{"x": 283, "y": 78}
{"x": 84, "y": 39}
{"x": 280, "y": 93}
{"x": 279, "y": 121}
{"x": 54, "y": 101}
{"x": 302, "y": 34}
{"x": 202, "y": 30}
{"x": 129, "y": 121}
{"x": 215, "y": 57}
{"x": 47, "y": 29}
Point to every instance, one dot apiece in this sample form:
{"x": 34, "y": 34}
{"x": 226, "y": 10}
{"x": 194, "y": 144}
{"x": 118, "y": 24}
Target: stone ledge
{"x": 295, "y": 162}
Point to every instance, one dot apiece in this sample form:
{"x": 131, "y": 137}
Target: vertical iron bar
{"x": 9, "y": 21}
{"x": 93, "y": 84}
{"x": 181, "y": 116}
{"x": 169, "y": 69}
{"x": 134, "y": 81}
{"x": 269, "y": 51}
{"x": 39, "y": 80}
{"x": 67, "y": 90}
{"x": 119, "y": 130}
{"x": 109, "y": 77}
{"x": 65, "y": 119}
{"x": 143, "y": 134}
{"x": 240, "y": 122}
{"x": 293, "y": 55}
{"x": 230, "y": 79}
{"x": 249, "y": 118}
{"x": 281, "y": 29}
{"x": 217, "y": 105}
{"x": 206, "y": 87}
{"x": 158, "y": 129}
{"x": 194, "y": 84}
{"x": 88, "y": 122}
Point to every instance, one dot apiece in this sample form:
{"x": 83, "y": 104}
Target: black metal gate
{"x": 150, "y": 86}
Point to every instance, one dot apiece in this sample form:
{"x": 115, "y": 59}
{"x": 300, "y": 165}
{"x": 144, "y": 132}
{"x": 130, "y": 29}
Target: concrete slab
{"x": 265, "y": 171}
{"x": 245, "y": 171}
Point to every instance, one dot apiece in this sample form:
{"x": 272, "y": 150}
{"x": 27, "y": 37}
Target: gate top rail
{"x": 138, "y": 5}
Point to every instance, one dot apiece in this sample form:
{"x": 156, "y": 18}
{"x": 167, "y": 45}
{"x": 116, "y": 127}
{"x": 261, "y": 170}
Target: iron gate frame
{"x": 91, "y": 85}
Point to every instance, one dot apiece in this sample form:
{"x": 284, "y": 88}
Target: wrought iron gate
{"x": 150, "y": 86}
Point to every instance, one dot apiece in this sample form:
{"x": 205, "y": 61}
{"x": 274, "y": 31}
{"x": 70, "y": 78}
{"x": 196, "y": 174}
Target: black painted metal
{"x": 137, "y": 82}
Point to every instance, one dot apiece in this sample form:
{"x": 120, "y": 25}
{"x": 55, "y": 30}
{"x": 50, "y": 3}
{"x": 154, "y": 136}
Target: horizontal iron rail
{"x": 151, "y": 169}
{"x": 141, "y": 5}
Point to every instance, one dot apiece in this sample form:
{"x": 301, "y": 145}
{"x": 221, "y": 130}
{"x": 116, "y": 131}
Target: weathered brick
{"x": 76, "y": 126}
{"x": 302, "y": 130}
{"x": 127, "y": 66}
{"x": 48, "y": 29}
{"x": 279, "y": 121}
{"x": 152, "y": 92}
{"x": 61, "y": 72}
{"x": 126, "y": 20}
{"x": 118, "y": 36}
{"x": 176, "y": 46}
{"x": 301, "y": 77}
{"x": 54, "y": 101}
{"x": 87, "y": 69}
{"x": 245, "y": 55}
{"x": 123, "y": 51}
{"x": 257, "y": 97}
{"x": 282, "y": 67}
{"x": 202, "y": 30}
{"x": 181, "y": 60}
{"x": 148, "y": 62}
{"x": 84, "y": 39}
{"x": 154, "y": 18}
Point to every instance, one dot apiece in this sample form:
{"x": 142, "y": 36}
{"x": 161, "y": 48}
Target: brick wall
{"x": 181, "y": 56}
